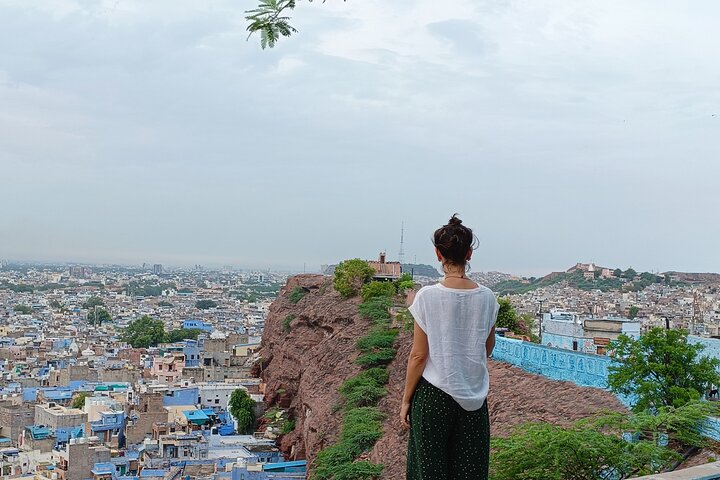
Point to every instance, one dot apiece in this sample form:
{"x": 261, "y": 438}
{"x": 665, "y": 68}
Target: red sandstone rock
{"x": 310, "y": 362}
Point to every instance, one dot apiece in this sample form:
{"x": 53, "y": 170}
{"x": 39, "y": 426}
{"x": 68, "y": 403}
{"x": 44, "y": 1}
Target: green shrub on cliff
{"x": 376, "y": 347}
{"x": 351, "y": 275}
{"x": 381, "y": 356}
{"x": 376, "y": 338}
{"x": 405, "y": 282}
{"x": 378, "y": 289}
{"x": 286, "y": 322}
{"x": 362, "y": 427}
{"x": 366, "y": 388}
{"x": 297, "y": 294}
{"x": 362, "y": 421}
{"x": 376, "y": 309}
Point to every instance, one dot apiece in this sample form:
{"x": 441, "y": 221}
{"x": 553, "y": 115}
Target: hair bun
{"x": 454, "y": 220}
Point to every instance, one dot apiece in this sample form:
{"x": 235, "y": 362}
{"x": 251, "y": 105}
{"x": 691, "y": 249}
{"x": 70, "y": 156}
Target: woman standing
{"x": 447, "y": 382}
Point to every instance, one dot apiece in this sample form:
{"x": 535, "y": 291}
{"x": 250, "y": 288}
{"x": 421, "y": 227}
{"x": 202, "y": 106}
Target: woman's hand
{"x": 405, "y": 414}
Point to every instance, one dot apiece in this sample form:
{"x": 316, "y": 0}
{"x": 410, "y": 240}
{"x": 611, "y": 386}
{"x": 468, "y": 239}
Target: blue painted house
{"x": 197, "y": 324}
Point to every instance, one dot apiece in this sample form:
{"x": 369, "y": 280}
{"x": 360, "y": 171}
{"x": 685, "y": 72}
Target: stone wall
{"x": 13, "y": 419}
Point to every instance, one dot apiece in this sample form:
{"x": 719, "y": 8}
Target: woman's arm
{"x": 490, "y": 342}
{"x": 416, "y": 364}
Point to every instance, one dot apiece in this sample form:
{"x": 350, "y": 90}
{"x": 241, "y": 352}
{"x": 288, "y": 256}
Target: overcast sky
{"x": 152, "y": 131}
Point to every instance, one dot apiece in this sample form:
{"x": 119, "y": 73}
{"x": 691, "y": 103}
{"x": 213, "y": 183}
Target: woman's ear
{"x": 469, "y": 255}
{"x": 439, "y": 255}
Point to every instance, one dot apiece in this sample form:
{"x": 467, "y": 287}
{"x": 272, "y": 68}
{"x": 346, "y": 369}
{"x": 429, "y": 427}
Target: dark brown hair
{"x": 454, "y": 240}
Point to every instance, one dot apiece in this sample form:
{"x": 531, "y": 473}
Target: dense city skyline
{"x": 561, "y": 132}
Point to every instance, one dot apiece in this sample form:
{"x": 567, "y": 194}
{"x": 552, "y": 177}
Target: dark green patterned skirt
{"x": 446, "y": 441}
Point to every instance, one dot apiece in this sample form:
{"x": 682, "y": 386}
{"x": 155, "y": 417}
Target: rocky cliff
{"x": 308, "y": 349}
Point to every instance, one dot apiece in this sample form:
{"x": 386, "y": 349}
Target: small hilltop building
{"x": 385, "y": 270}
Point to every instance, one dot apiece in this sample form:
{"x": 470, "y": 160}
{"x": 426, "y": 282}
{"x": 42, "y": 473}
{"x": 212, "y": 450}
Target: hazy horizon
{"x": 295, "y": 269}
{"x": 136, "y": 132}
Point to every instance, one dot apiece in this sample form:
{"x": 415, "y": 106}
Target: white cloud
{"x": 177, "y": 137}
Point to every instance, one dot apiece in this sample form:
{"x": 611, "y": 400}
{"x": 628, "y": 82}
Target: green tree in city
{"x": 79, "y": 400}
{"x": 97, "y": 316}
{"x": 241, "y": 407}
{"x": 93, "y": 302}
{"x": 144, "y": 332}
{"x": 351, "y": 275}
{"x": 630, "y": 273}
{"x": 205, "y": 304}
{"x": 633, "y": 312}
{"x": 661, "y": 369}
{"x": 507, "y": 316}
{"x": 182, "y": 334}
{"x": 617, "y": 273}
{"x": 23, "y": 309}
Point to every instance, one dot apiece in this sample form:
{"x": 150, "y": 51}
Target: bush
{"x": 351, "y": 275}
{"x": 377, "y": 289}
{"x": 595, "y": 448}
{"x": 405, "y": 282}
{"x": 362, "y": 427}
{"x": 376, "y": 338}
{"x": 288, "y": 427}
{"x": 543, "y": 451}
{"x": 376, "y": 347}
{"x": 381, "y": 356}
{"x": 376, "y": 309}
{"x": 286, "y": 322}
{"x": 365, "y": 389}
{"x": 297, "y": 294}
{"x": 358, "y": 471}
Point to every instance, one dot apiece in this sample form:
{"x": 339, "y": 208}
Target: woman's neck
{"x": 454, "y": 273}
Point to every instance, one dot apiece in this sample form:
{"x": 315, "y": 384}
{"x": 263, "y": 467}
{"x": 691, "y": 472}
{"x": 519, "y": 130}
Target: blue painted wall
{"x": 583, "y": 369}
{"x": 181, "y": 396}
{"x": 556, "y": 363}
{"x": 712, "y": 345}
{"x": 580, "y": 368}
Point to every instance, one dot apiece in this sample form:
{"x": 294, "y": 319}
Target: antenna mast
{"x": 401, "y": 253}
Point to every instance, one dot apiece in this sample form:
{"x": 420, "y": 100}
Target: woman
{"x": 446, "y": 387}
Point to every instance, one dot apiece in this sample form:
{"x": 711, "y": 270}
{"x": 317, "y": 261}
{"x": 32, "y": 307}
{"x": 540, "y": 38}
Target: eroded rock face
{"x": 304, "y": 367}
